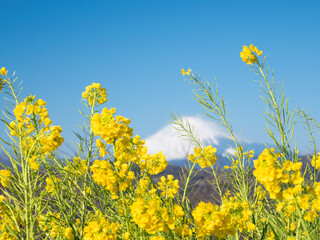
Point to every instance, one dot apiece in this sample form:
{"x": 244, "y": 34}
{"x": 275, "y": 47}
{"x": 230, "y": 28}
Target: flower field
{"x": 114, "y": 189}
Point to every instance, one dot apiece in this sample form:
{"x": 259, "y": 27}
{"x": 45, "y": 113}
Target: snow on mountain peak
{"x": 175, "y": 147}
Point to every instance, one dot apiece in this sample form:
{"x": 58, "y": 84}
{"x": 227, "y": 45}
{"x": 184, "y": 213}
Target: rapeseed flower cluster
{"x": 3, "y": 71}
{"x": 5, "y": 178}
{"x": 152, "y": 216}
{"x": 142, "y": 186}
{"x": 287, "y": 186}
{"x": 210, "y": 220}
{"x": 315, "y": 161}
{"x": 115, "y": 130}
{"x": 110, "y": 128}
{"x": 33, "y": 125}
{"x": 52, "y": 184}
{"x": 249, "y": 54}
{"x": 241, "y": 212}
{"x": 100, "y": 228}
{"x": 247, "y": 154}
{"x": 130, "y": 150}
{"x": 146, "y": 189}
{"x": 310, "y": 203}
{"x": 268, "y": 174}
{"x": 168, "y": 186}
{"x": 94, "y": 93}
{"x": 184, "y": 72}
{"x": 68, "y": 233}
{"x": 306, "y": 199}
{"x": 112, "y": 179}
{"x": 157, "y": 238}
{"x": 52, "y": 224}
{"x": 34, "y": 163}
{"x": 153, "y": 164}
{"x": 231, "y": 216}
{"x": 205, "y": 157}
{"x": 272, "y": 176}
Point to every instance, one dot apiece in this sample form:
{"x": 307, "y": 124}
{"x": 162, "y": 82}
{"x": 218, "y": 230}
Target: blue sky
{"x": 136, "y": 50}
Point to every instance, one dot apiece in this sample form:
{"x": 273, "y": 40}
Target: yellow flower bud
{"x": 3, "y": 71}
{"x": 184, "y": 72}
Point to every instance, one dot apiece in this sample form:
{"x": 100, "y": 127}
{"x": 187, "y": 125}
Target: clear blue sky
{"x": 136, "y": 50}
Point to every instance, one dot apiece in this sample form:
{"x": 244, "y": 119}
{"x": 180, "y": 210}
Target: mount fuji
{"x": 176, "y": 148}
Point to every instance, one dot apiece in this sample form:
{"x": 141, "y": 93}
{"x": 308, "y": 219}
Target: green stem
{"x": 88, "y": 159}
{"x": 187, "y": 182}
{"x": 280, "y": 126}
{"x": 25, "y": 175}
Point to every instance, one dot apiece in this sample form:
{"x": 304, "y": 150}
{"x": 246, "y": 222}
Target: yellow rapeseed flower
{"x": 101, "y": 228}
{"x": 152, "y": 216}
{"x": 51, "y": 186}
{"x": 168, "y": 186}
{"x": 268, "y": 174}
{"x": 94, "y": 93}
{"x": 157, "y": 238}
{"x": 205, "y": 157}
{"x": 184, "y": 72}
{"x": 34, "y": 164}
{"x": 68, "y": 233}
{"x": 3, "y": 71}
{"x": 209, "y": 220}
{"x": 315, "y": 161}
{"x": 249, "y": 54}
{"x": 5, "y": 176}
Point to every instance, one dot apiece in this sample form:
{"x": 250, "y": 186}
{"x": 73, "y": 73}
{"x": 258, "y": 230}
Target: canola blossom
{"x": 112, "y": 188}
{"x": 249, "y": 54}
{"x": 184, "y": 72}
{"x": 3, "y": 71}
{"x": 204, "y": 157}
{"x": 94, "y": 93}
{"x": 5, "y": 176}
{"x": 168, "y": 186}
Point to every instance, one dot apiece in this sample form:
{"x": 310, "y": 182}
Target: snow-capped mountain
{"x": 169, "y": 140}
